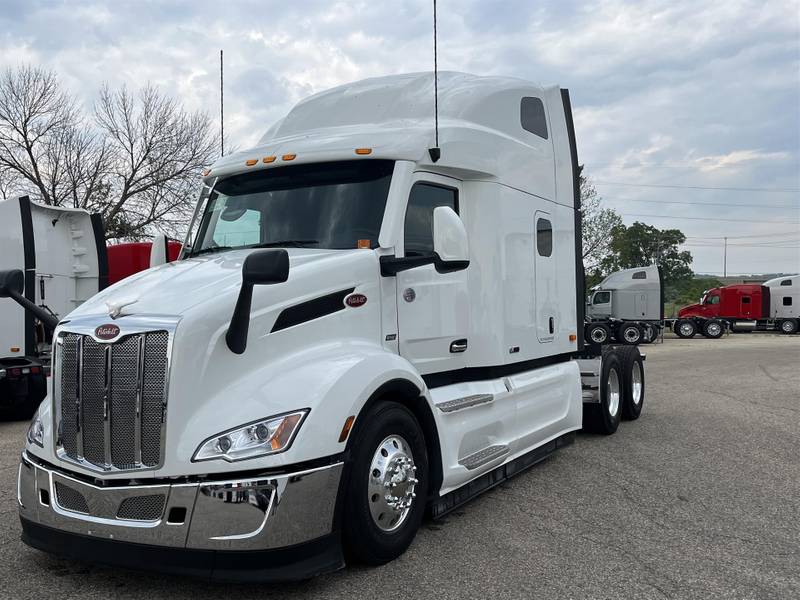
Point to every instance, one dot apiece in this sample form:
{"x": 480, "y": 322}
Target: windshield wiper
{"x": 286, "y": 243}
{"x": 210, "y": 249}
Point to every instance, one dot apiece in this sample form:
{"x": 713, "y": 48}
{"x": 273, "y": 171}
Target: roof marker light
{"x": 268, "y": 159}
{"x": 251, "y": 162}
{"x": 363, "y": 151}
{"x": 289, "y": 156}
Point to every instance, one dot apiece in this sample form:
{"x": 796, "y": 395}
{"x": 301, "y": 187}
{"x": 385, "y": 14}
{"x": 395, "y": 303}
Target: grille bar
{"x": 112, "y": 400}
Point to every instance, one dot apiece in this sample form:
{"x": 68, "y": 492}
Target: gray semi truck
{"x": 627, "y": 306}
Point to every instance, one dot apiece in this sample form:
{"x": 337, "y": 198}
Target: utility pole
{"x": 725, "y": 259}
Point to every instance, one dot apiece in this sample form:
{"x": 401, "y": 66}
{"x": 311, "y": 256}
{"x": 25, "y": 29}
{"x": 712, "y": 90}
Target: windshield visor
{"x": 336, "y": 205}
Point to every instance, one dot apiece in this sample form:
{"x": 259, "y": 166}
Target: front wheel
{"x": 387, "y": 486}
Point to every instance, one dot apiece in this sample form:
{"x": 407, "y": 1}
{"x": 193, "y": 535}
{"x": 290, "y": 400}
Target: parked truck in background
{"x": 627, "y": 306}
{"x": 63, "y": 256}
{"x": 361, "y": 328}
{"x": 775, "y": 305}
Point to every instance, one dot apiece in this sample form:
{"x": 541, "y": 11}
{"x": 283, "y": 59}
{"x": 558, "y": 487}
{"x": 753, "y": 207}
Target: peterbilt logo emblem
{"x": 106, "y": 332}
{"x": 355, "y": 300}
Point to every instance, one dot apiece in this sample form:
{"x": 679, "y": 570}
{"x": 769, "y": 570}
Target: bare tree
{"x": 598, "y": 223}
{"x": 156, "y": 152}
{"x": 137, "y": 162}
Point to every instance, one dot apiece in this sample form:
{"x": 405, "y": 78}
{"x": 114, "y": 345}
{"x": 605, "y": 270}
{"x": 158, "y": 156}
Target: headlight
{"x": 260, "y": 438}
{"x": 36, "y": 431}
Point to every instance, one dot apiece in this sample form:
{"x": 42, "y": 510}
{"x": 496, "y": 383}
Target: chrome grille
{"x": 71, "y": 499}
{"x": 142, "y": 508}
{"x": 112, "y": 398}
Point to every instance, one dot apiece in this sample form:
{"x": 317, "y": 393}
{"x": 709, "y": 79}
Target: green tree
{"x": 642, "y": 244}
{"x": 598, "y": 222}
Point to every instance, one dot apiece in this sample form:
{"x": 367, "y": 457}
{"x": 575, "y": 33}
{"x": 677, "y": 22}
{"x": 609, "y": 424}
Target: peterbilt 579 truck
{"x": 362, "y": 327}
{"x": 627, "y": 306}
{"x": 775, "y": 305}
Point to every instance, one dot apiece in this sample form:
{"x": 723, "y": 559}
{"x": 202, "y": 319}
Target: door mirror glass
{"x": 449, "y": 236}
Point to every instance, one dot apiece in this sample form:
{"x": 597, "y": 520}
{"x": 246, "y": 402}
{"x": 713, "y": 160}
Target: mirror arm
{"x": 392, "y": 265}
{"x": 236, "y": 337}
{"x": 49, "y": 321}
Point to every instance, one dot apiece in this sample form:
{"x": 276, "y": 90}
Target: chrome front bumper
{"x": 240, "y": 514}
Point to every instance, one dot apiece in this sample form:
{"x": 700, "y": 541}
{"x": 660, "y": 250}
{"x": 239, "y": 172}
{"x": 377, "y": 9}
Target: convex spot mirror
{"x": 450, "y": 243}
{"x": 260, "y": 267}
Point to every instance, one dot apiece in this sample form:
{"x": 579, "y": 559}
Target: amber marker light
{"x": 289, "y": 156}
{"x": 268, "y": 159}
{"x": 251, "y": 162}
{"x": 363, "y": 151}
{"x": 348, "y": 425}
{"x": 573, "y": 337}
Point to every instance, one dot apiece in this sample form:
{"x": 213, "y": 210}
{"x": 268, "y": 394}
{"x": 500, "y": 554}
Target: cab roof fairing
{"x": 480, "y": 133}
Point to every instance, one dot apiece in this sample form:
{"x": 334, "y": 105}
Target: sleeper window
{"x": 786, "y": 282}
{"x": 745, "y": 299}
{"x": 787, "y": 300}
{"x": 544, "y": 237}
{"x": 423, "y": 199}
{"x": 640, "y": 275}
{"x": 532, "y": 116}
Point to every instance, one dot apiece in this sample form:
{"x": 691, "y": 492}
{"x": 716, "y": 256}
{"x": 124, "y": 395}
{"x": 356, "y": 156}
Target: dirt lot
{"x": 699, "y": 498}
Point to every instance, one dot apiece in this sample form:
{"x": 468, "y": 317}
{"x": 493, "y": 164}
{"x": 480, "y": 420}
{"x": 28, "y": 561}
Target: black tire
{"x": 685, "y": 328}
{"x": 602, "y": 418}
{"x": 789, "y": 326}
{"x": 363, "y": 540}
{"x": 629, "y": 333}
{"x": 633, "y": 382}
{"x": 649, "y": 333}
{"x": 713, "y": 329}
{"x": 598, "y": 333}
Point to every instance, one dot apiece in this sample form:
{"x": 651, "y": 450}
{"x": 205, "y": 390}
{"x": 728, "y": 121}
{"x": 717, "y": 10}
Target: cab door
{"x": 432, "y": 307}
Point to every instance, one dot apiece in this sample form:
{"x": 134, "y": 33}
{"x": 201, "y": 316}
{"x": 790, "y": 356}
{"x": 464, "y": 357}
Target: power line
{"x": 701, "y": 187}
{"x": 725, "y": 204}
{"x": 709, "y": 219}
{"x": 732, "y": 237}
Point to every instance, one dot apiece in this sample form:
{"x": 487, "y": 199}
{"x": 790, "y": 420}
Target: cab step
{"x": 465, "y": 402}
{"x": 482, "y": 457}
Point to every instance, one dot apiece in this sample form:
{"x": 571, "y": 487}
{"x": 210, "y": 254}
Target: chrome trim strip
{"x": 485, "y": 456}
{"x": 465, "y": 402}
{"x": 78, "y": 402}
{"x": 137, "y": 434}
{"x": 107, "y": 410}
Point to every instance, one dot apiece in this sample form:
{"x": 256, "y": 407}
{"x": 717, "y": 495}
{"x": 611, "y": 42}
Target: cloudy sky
{"x": 687, "y": 112}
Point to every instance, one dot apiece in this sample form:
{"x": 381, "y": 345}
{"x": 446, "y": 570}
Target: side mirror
{"x": 261, "y": 267}
{"x": 158, "y": 251}
{"x": 12, "y": 283}
{"x": 450, "y": 242}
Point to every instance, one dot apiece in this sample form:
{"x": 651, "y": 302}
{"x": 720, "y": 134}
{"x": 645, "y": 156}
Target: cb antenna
{"x": 435, "y": 152}
{"x": 221, "y": 110}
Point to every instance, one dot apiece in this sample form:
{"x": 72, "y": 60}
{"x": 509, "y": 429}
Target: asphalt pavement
{"x": 699, "y": 498}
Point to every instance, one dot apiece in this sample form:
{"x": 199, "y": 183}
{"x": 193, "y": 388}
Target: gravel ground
{"x": 699, "y": 498}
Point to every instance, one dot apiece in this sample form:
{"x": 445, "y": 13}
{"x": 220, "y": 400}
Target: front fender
{"x": 334, "y": 381}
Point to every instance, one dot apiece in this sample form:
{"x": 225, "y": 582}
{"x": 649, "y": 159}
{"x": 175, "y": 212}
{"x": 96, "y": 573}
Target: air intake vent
{"x": 142, "y": 508}
{"x": 70, "y": 499}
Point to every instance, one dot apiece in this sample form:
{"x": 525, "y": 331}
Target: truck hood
{"x": 174, "y": 288}
{"x": 692, "y": 309}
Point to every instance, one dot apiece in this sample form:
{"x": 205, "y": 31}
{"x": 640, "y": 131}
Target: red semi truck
{"x": 743, "y": 307}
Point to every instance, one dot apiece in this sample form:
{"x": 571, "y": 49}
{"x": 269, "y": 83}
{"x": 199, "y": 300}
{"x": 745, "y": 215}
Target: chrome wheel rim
{"x": 598, "y": 335}
{"x": 392, "y": 483}
{"x": 687, "y": 329}
{"x": 714, "y": 329}
{"x": 787, "y": 327}
{"x": 636, "y": 383}
{"x": 613, "y": 392}
{"x": 631, "y": 335}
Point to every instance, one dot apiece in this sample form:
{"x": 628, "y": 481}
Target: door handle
{"x": 458, "y": 346}
{"x": 552, "y": 325}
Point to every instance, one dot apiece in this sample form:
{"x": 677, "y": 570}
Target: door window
{"x": 425, "y": 197}
{"x": 602, "y": 298}
{"x": 713, "y": 300}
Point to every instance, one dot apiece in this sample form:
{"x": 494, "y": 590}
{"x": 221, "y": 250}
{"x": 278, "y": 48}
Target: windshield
{"x": 336, "y": 205}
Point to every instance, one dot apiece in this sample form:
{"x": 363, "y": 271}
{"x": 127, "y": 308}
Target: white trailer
{"x": 362, "y": 327}
{"x": 61, "y": 252}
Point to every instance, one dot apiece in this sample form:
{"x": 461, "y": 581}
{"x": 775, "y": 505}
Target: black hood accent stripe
{"x": 311, "y": 309}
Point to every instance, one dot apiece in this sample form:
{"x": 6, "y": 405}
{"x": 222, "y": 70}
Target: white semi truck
{"x": 362, "y": 327}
